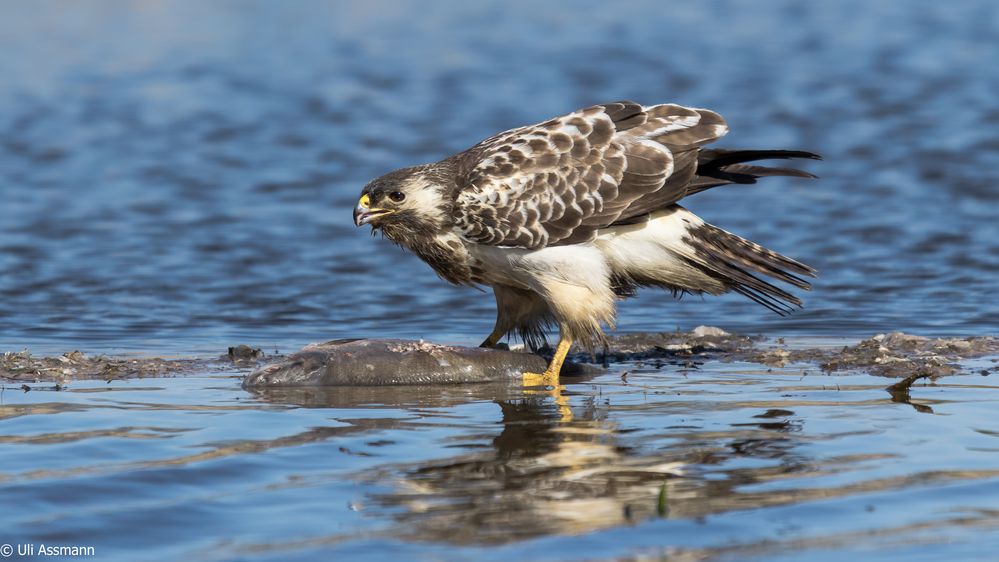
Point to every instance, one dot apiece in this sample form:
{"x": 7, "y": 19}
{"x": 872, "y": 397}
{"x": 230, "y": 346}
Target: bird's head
{"x": 405, "y": 202}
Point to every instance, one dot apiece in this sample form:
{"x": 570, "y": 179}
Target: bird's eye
{"x": 397, "y": 196}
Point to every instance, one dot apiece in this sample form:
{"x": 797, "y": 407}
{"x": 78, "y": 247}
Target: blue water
{"x": 757, "y": 464}
{"x": 179, "y": 177}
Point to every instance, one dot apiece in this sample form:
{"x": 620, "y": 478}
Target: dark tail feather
{"x": 720, "y": 167}
{"x": 734, "y": 260}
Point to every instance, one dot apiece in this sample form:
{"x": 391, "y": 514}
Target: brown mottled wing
{"x": 558, "y": 182}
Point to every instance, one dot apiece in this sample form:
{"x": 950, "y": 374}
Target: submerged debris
{"x": 891, "y": 355}
{"x": 74, "y": 365}
{"x": 244, "y": 355}
{"x": 648, "y": 345}
{"x": 378, "y": 362}
{"x": 895, "y": 355}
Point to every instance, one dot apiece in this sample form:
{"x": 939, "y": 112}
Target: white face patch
{"x": 423, "y": 197}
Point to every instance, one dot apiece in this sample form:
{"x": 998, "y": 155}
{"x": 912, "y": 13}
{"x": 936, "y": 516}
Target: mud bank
{"x": 381, "y": 362}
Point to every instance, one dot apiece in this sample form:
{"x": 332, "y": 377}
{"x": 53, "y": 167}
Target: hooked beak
{"x": 364, "y": 214}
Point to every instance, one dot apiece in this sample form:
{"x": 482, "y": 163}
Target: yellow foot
{"x": 550, "y": 376}
{"x": 546, "y": 378}
{"x": 549, "y": 380}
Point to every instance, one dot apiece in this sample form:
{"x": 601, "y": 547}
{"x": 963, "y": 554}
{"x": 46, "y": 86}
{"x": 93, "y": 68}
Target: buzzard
{"x": 565, "y": 217}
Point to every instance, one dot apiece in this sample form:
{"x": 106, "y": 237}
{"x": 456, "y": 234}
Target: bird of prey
{"x": 565, "y": 217}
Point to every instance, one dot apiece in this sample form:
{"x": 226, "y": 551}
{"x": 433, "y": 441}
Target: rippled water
{"x": 180, "y": 175}
{"x": 177, "y": 177}
{"x": 719, "y": 461}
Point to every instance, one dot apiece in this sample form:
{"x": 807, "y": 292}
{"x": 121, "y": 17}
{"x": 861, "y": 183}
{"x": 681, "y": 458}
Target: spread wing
{"x": 557, "y": 182}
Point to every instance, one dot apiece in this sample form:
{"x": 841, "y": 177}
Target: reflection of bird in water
{"x": 564, "y": 217}
{"x": 540, "y": 475}
{"x": 543, "y": 476}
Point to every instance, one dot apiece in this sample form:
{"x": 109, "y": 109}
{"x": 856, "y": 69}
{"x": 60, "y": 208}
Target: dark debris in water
{"x": 244, "y": 356}
{"x": 22, "y": 366}
{"x": 892, "y": 355}
{"x": 701, "y": 340}
{"x": 895, "y": 355}
{"x": 375, "y": 362}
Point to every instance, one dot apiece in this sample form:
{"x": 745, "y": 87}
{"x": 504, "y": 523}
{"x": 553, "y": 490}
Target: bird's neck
{"x": 444, "y": 252}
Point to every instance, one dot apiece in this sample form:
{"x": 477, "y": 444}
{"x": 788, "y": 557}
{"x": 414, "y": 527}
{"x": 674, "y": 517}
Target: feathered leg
{"x": 576, "y": 286}
{"x": 494, "y": 338}
{"x": 522, "y": 312}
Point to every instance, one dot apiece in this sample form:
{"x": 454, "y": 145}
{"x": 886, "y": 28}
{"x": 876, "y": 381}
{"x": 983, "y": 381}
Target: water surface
{"x": 715, "y": 461}
{"x": 179, "y": 176}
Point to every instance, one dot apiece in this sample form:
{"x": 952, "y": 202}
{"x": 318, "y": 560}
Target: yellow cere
{"x": 365, "y": 200}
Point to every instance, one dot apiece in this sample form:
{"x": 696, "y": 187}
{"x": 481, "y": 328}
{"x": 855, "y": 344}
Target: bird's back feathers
{"x": 559, "y": 181}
